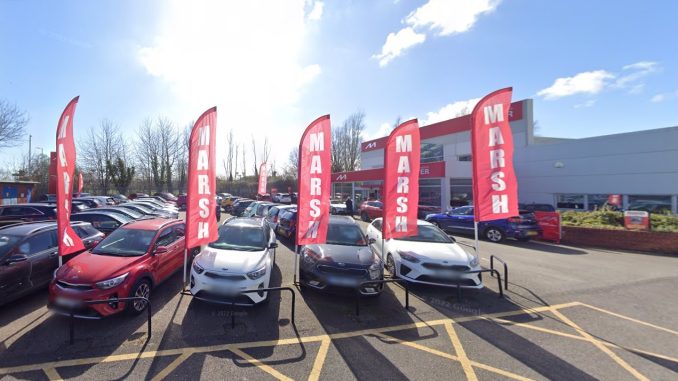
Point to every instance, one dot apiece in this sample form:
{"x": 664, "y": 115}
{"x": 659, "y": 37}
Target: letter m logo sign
{"x": 341, "y": 177}
{"x": 371, "y": 145}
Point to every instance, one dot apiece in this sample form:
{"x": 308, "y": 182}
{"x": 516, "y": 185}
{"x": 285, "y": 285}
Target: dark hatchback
{"x": 287, "y": 223}
{"x": 12, "y": 214}
{"x": 105, "y": 222}
{"x": 344, "y": 263}
{"x": 461, "y": 220}
{"x": 29, "y": 255}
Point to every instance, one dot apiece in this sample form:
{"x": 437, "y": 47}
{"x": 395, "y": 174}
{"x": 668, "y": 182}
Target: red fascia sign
{"x": 426, "y": 170}
{"x": 445, "y": 127}
{"x": 551, "y": 226}
{"x": 637, "y": 220}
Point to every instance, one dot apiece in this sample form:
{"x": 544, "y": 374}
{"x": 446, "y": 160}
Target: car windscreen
{"x": 346, "y": 235}
{"x": 427, "y": 233}
{"x": 128, "y": 212}
{"x": 148, "y": 206}
{"x": 7, "y": 242}
{"x": 125, "y": 243}
{"x": 238, "y": 237}
{"x": 142, "y": 208}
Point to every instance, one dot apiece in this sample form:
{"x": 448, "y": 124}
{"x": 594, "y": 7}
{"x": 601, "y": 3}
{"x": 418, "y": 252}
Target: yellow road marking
{"x": 27, "y": 328}
{"x": 52, "y": 374}
{"x": 630, "y": 319}
{"x": 319, "y": 360}
{"x": 260, "y": 365}
{"x": 461, "y": 353}
{"x": 172, "y": 366}
{"x": 269, "y": 343}
{"x": 600, "y": 345}
{"x": 453, "y": 357}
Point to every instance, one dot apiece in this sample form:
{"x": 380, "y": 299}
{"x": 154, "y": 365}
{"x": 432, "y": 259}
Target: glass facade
{"x": 431, "y": 152}
{"x": 430, "y": 192}
{"x": 461, "y": 192}
{"x": 570, "y": 201}
{"x": 652, "y": 204}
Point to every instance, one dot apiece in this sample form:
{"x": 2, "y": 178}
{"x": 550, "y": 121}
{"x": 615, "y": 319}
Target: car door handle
{"x": 53, "y": 254}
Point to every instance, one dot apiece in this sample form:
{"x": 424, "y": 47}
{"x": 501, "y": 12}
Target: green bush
{"x": 607, "y": 219}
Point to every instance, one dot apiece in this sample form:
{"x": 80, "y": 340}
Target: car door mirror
{"x": 16, "y": 258}
{"x": 273, "y": 245}
{"x": 371, "y": 241}
{"x": 160, "y": 249}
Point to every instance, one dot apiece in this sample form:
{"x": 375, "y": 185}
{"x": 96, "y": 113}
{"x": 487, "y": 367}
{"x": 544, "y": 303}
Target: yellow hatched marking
{"x": 630, "y": 319}
{"x": 172, "y": 366}
{"x": 260, "y": 365}
{"x": 461, "y": 353}
{"x": 319, "y": 360}
{"x": 52, "y": 374}
{"x": 600, "y": 345}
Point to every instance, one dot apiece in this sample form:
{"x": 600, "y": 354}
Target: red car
{"x": 131, "y": 261}
{"x": 372, "y": 209}
{"x": 132, "y": 196}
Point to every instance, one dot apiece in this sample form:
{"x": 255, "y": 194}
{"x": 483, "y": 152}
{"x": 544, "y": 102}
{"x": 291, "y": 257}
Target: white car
{"x": 430, "y": 257}
{"x": 337, "y": 207}
{"x": 283, "y": 198}
{"x": 241, "y": 259}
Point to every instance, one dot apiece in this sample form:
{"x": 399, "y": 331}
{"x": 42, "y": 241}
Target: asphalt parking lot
{"x": 569, "y": 313}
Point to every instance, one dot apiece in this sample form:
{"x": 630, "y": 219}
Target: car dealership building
{"x": 637, "y": 170}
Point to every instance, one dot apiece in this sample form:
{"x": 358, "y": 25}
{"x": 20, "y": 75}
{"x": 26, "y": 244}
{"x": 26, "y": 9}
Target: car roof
{"x": 419, "y": 222}
{"x": 32, "y": 204}
{"x": 27, "y": 228}
{"x": 151, "y": 223}
{"x": 97, "y": 211}
{"x": 245, "y": 221}
{"x": 342, "y": 220}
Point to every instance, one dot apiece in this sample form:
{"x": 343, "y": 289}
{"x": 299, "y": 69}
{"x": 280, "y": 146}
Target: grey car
{"x": 344, "y": 263}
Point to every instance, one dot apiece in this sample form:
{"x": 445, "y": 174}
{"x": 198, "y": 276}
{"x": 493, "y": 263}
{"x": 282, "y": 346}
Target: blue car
{"x": 460, "y": 220}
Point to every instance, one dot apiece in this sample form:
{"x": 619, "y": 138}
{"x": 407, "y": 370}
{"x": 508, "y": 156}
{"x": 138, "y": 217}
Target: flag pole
{"x": 296, "y": 261}
{"x": 185, "y": 265}
{"x": 475, "y": 228}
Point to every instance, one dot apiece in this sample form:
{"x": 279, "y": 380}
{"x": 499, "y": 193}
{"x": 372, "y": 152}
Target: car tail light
{"x": 515, "y": 220}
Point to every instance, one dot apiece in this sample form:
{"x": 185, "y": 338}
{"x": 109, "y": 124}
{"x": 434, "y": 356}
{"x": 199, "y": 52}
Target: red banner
{"x": 69, "y": 242}
{"x": 201, "y": 219}
{"x": 80, "y": 183}
{"x": 550, "y": 224}
{"x": 263, "y": 178}
{"x": 401, "y": 181}
{"x": 495, "y": 187}
{"x": 315, "y": 170}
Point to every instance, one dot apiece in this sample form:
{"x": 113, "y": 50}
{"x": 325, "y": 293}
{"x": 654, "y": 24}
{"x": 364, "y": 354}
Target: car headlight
{"x": 198, "y": 269}
{"x": 256, "y": 274}
{"x": 474, "y": 260}
{"x": 375, "y": 270}
{"x": 409, "y": 256}
{"x": 110, "y": 283}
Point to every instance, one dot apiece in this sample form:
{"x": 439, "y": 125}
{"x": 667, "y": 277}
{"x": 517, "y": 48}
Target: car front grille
{"x": 72, "y": 286}
{"x": 448, "y": 281}
{"x": 439, "y": 266}
{"x": 231, "y": 277}
{"x": 342, "y": 271}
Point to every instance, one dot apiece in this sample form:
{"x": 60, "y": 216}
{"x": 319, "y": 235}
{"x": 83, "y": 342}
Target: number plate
{"x": 67, "y": 302}
{"x": 532, "y": 233}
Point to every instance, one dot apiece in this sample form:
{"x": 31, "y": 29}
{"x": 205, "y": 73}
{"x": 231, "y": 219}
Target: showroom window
{"x": 429, "y": 192}
{"x": 600, "y": 201}
{"x": 461, "y": 192}
{"x": 652, "y": 204}
{"x": 431, "y": 152}
{"x": 570, "y": 201}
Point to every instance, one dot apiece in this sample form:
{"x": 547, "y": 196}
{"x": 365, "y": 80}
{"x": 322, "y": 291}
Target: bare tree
{"x": 254, "y": 152}
{"x": 346, "y": 142}
{"x": 13, "y": 123}
{"x": 266, "y": 154}
{"x": 103, "y": 145}
{"x": 292, "y": 167}
{"x": 228, "y": 163}
{"x": 244, "y": 161}
{"x": 148, "y": 155}
{"x": 235, "y": 167}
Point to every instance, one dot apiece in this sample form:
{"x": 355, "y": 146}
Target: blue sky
{"x": 591, "y": 67}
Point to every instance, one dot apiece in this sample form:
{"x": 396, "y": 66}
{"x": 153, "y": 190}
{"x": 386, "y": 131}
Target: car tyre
{"x": 494, "y": 234}
{"x": 390, "y": 265}
{"x": 141, "y": 288}
{"x": 364, "y": 217}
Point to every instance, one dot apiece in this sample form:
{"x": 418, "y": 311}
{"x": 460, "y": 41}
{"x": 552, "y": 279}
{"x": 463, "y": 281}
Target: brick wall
{"x": 652, "y": 242}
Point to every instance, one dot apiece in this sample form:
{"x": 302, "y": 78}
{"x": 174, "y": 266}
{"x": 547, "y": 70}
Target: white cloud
{"x": 589, "y": 82}
{"x": 396, "y": 43}
{"x": 439, "y": 17}
{"x": 447, "y": 17}
{"x": 245, "y": 57}
{"x": 658, "y": 98}
{"x": 452, "y": 110}
{"x": 592, "y": 82}
{"x": 383, "y": 130}
{"x": 587, "y": 104}
{"x": 316, "y": 12}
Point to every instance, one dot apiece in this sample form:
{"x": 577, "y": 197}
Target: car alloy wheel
{"x": 141, "y": 289}
{"x": 390, "y": 264}
{"x": 494, "y": 235}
